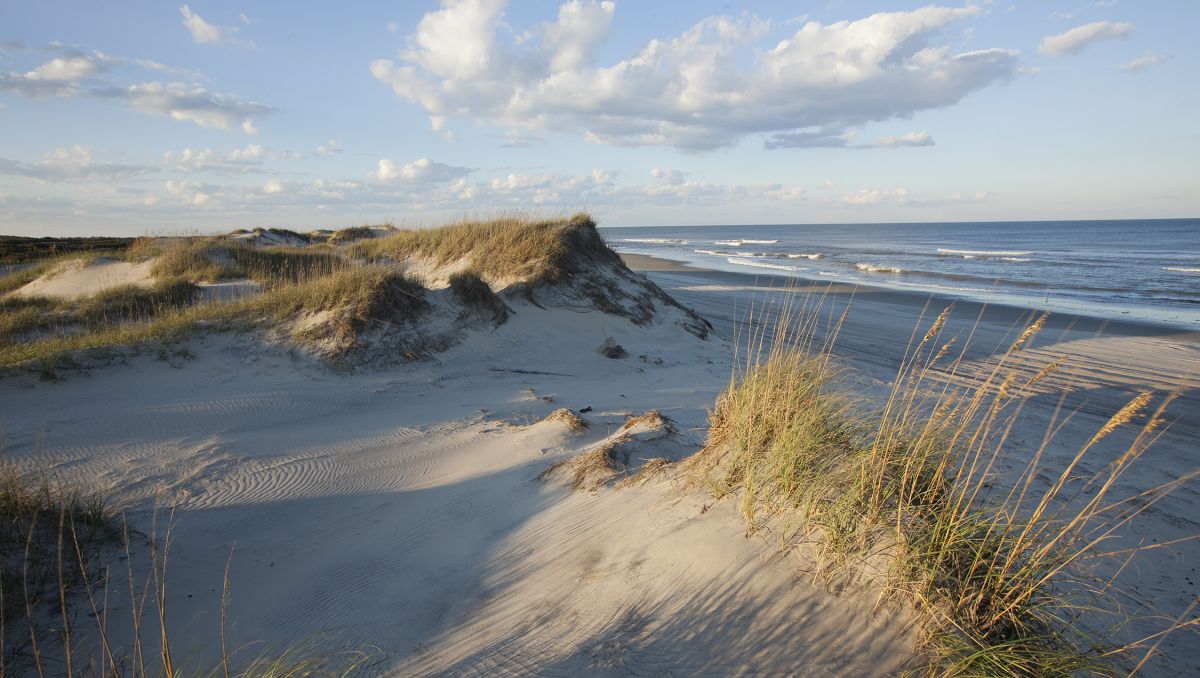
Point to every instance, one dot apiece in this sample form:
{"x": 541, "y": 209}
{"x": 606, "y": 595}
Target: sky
{"x": 146, "y": 117}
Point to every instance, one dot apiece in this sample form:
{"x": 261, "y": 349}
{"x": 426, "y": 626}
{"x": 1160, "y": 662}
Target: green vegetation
{"x": 990, "y": 563}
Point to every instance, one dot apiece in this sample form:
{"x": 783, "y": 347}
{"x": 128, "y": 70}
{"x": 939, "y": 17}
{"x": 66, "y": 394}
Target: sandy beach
{"x": 400, "y": 512}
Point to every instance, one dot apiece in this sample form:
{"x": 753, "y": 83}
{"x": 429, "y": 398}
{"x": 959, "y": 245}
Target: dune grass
{"x": 507, "y": 248}
{"x": 34, "y": 514}
{"x": 474, "y": 293}
{"x": 60, "y": 549}
{"x": 992, "y": 565}
{"x": 355, "y": 298}
{"x": 214, "y": 259}
{"x": 358, "y": 283}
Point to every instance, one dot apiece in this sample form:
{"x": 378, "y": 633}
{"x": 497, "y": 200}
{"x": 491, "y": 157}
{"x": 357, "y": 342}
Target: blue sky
{"x": 152, "y": 117}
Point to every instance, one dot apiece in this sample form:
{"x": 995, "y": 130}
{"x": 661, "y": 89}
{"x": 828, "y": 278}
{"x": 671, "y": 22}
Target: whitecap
{"x": 983, "y": 253}
{"x": 878, "y": 268}
{"x": 762, "y": 264}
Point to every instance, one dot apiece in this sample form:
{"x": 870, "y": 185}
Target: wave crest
{"x": 878, "y": 268}
{"x": 982, "y": 253}
{"x": 762, "y": 264}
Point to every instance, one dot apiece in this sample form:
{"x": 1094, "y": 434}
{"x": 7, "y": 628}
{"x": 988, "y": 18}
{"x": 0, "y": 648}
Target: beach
{"x": 410, "y": 513}
{"x": 1103, "y": 364}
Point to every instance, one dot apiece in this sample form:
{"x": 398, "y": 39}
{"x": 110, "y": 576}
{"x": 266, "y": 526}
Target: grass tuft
{"x": 472, "y": 292}
{"x": 512, "y": 248}
{"x": 568, "y": 418}
{"x": 992, "y": 566}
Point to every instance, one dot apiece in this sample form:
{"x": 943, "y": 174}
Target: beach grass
{"x": 60, "y": 549}
{"x": 514, "y": 247}
{"x": 991, "y": 563}
{"x": 359, "y": 284}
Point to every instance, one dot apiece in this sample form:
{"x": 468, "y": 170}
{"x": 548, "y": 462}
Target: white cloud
{"x": 187, "y": 102}
{"x": 204, "y": 33}
{"x": 327, "y": 149}
{"x": 829, "y": 183}
{"x": 580, "y": 28}
{"x": 249, "y": 129}
{"x": 251, "y": 153}
{"x": 272, "y": 187}
{"x": 708, "y": 87}
{"x": 58, "y": 77}
{"x": 248, "y": 159}
{"x": 73, "y": 163}
{"x": 1080, "y": 37}
{"x": 911, "y": 139}
{"x": 392, "y": 26}
{"x": 191, "y": 193}
{"x": 64, "y": 69}
{"x": 1141, "y": 63}
{"x": 422, "y": 171}
{"x": 874, "y": 196}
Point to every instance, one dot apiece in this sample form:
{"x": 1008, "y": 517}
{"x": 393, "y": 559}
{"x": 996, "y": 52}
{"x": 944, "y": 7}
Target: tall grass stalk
{"x": 993, "y": 563}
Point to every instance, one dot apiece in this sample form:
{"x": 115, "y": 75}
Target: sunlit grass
{"x": 992, "y": 566}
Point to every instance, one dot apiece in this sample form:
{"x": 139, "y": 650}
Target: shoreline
{"x": 997, "y": 311}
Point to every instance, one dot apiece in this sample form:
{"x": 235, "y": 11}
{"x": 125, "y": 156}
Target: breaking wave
{"x": 877, "y": 268}
{"x": 762, "y": 264}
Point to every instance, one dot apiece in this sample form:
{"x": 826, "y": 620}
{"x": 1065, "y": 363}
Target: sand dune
{"x": 81, "y": 278}
{"x": 400, "y": 508}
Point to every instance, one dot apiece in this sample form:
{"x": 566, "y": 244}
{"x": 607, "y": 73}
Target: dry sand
{"x": 79, "y": 278}
{"x": 1103, "y": 365}
{"x": 400, "y": 509}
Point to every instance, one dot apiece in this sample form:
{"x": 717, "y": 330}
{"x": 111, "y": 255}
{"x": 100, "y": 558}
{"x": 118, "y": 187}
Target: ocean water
{"x": 1147, "y": 270}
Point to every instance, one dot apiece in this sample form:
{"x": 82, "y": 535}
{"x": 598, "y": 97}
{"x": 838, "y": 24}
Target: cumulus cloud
{"x": 327, "y": 149}
{"x": 874, "y": 196}
{"x": 192, "y": 193}
{"x": 58, "y": 77}
{"x": 187, "y": 102}
{"x": 237, "y": 160}
{"x": 706, "y": 88}
{"x": 1074, "y": 40}
{"x": 73, "y": 163}
{"x": 911, "y": 139}
{"x": 74, "y": 72}
{"x": 422, "y": 171}
{"x": 205, "y": 33}
{"x": 272, "y": 187}
{"x": 1141, "y": 63}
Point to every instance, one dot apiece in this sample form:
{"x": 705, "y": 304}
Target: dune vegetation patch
{"x": 568, "y": 418}
{"x": 511, "y": 248}
{"x": 328, "y": 296}
{"x": 995, "y": 563}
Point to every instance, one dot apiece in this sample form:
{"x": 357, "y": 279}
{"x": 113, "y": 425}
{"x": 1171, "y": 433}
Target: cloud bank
{"x": 709, "y": 87}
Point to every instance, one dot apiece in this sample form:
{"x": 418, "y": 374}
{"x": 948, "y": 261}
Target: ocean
{"x": 1145, "y": 270}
